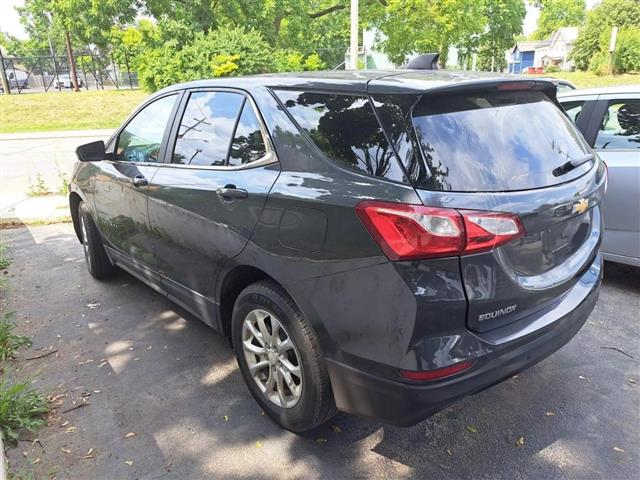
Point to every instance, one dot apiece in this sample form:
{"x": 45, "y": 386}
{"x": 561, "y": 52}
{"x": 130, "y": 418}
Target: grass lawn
{"x": 41, "y": 112}
{"x": 590, "y": 80}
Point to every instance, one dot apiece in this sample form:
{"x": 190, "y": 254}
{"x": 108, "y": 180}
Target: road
{"x": 21, "y": 160}
{"x": 155, "y": 371}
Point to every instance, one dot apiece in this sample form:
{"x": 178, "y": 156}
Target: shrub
{"x": 552, "y": 69}
{"x": 221, "y": 52}
{"x": 626, "y": 57}
{"x": 293, "y": 61}
{"x": 599, "y": 63}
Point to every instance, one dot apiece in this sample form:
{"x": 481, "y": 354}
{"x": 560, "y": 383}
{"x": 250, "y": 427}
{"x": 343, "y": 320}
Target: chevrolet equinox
{"x": 379, "y": 243}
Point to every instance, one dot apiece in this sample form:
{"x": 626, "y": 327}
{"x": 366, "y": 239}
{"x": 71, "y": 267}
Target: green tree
{"x": 504, "y": 24}
{"x": 221, "y": 52}
{"x": 421, "y": 26}
{"x": 558, "y": 13}
{"x": 600, "y": 20}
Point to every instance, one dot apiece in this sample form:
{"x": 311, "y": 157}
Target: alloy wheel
{"x": 272, "y": 358}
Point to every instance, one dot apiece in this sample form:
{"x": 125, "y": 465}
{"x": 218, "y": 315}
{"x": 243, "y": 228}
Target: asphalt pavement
{"x": 164, "y": 397}
{"x": 24, "y": 156}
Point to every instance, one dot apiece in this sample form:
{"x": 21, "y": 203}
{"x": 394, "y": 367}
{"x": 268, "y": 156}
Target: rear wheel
{"x": 98, "y": 262}
{"x": 280, "y": 358}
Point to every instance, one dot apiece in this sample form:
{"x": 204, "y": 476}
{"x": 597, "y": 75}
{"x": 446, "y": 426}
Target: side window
{"x": 573, "y": 109}
{"x": 620, "y": 129}
{"x": 248, "y": 144}
{"x": 141, "y": 139}
{"x": 345, "y": 129}
{"x": 206, "y": 128}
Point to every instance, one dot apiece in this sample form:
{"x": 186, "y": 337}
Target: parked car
{"x": 379, "y": 243}
{"x": 561, "y": 84}
{"x": 609, "y": 119}
{"x": 64, "y": 81}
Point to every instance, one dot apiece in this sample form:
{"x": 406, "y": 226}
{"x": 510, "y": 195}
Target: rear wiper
{"x": 571, "y": 164}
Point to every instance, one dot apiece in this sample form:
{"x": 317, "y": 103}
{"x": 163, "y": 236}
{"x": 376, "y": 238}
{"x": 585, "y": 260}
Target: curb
{"x": 107, "y": 132}
{"x": 13, "y": 223}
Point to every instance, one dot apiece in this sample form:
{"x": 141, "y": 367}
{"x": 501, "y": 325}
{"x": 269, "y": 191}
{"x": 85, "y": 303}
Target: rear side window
{"x": 346, "y": 130}
{"x": 620, "y": 129}
{"x": 248, "y": 144}
{"x": 206, "y": 128}
{"x": 496, "y": 142}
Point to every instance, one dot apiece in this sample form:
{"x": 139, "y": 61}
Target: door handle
{"x": 139, "y": 181}
{"x": 230, "y": 192}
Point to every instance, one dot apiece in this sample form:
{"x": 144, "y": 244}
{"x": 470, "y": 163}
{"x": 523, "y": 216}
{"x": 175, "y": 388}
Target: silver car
{"x": 609, "y": 119}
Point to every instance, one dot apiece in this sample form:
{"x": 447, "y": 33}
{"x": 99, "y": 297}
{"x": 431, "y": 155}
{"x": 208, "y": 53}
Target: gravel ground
{"x": 151, "y": 369}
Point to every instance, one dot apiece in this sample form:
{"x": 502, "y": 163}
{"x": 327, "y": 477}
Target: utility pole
{"x": 3, "y": 75}
{"x": 353, "y": 48}
{"x": 612, "y": 47}
{"x": 72, "y": 63}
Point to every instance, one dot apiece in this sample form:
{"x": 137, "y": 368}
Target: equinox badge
{"x": 497, "y": 313}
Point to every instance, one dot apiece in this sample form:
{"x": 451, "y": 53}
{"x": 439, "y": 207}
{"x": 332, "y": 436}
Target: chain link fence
{"x": 95, "y": 71}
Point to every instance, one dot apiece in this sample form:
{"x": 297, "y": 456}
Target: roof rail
{"x": 428, "y": 61}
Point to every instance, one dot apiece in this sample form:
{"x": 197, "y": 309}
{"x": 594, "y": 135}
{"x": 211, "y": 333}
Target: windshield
{"x": 496, "y": 142}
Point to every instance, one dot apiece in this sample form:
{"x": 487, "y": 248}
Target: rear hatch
{"x": 511, "y": 149}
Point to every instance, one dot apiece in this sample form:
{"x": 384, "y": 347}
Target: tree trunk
{"x": 71, "y": 60}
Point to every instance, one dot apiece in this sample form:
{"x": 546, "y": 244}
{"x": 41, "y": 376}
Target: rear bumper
{"x": 507, "y": 352}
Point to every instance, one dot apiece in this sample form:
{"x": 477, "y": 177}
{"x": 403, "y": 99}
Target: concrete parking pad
{"x": 148, "y": 368}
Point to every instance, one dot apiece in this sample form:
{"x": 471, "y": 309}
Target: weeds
{"x": 10, "y": 342}
{"x": 37, "y": 188}
{"x": 21, "y": 407}
{"x": 4, "y": 261}
{"x": 63, "y": 189}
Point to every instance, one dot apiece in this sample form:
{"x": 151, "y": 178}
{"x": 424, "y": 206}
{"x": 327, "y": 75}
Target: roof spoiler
{"x": 428, "y": 61}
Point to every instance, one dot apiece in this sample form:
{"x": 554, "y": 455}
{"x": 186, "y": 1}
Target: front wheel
{"x": 98, "y": 262}
{"x": 280, "y": 358}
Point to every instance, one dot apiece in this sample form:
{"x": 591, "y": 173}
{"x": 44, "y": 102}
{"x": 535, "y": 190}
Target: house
{"x": 555, "y": 51}
{"x": 542, "y": 53}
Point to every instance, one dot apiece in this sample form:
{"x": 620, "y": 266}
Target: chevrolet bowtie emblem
{"x": 580, "y": 206}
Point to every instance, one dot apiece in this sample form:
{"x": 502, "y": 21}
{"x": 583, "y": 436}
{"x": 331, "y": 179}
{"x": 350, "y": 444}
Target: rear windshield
{"x": 496, "y": 142}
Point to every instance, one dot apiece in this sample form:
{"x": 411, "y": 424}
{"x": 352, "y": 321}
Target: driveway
{"x": 148, "y": 368}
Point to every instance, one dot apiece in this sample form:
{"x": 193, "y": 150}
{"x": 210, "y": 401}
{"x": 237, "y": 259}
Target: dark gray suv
{"x": 380, "y": 243}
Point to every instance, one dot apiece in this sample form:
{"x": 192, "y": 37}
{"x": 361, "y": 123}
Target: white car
{"x": 64, "y": 81}
{"x": 609, "y": 119}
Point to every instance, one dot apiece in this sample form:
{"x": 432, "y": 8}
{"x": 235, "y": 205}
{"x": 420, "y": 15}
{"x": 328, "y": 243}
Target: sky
{"x": 10, "y": 21}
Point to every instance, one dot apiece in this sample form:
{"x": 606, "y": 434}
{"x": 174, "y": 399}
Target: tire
{"x": 313, "y": 403}
{"x": 98, "y": 262}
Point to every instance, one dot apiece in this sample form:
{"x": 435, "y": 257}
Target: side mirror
{"x": 91, "y": 152}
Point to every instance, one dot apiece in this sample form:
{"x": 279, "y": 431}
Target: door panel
{"x": 121, "y": 185}
{"x": 202, "y": 208}
{"x": 618, "y": 144}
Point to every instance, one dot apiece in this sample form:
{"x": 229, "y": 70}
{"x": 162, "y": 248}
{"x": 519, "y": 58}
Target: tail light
{"x": 409, "y": 232}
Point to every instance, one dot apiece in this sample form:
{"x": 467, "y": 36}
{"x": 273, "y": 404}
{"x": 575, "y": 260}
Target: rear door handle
{"x": 139, "y": 181}
{"x": 230, "y": 192}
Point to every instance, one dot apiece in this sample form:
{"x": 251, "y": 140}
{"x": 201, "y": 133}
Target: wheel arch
{"x": 232, "y": 283}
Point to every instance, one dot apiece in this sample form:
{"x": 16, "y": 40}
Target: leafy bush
{"x": 599, "y": 63}
{"x": 293, "y": 61}
{"x": 552, "y": 69}
{"x": 594, "y": 36}
{"x": 221, "y": 52}
{"x": 20, "y": 408}
{"x": 627, "y": 54}
{"x": 9, "y": 342}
